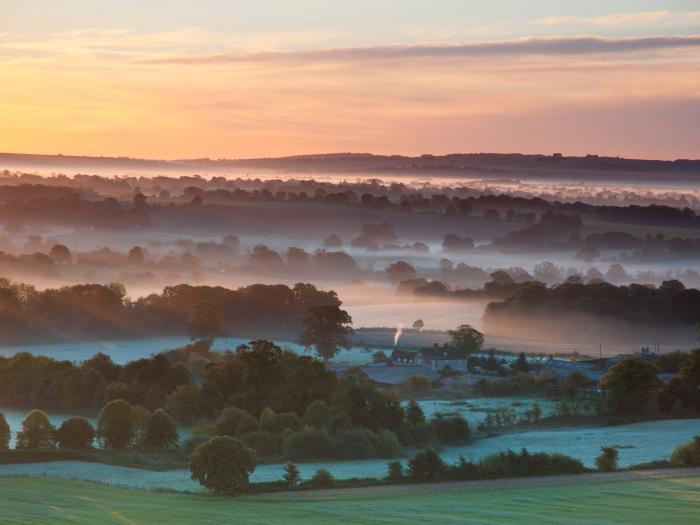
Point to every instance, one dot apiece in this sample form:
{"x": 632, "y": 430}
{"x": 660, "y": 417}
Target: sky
{"x": 239, "y": 79}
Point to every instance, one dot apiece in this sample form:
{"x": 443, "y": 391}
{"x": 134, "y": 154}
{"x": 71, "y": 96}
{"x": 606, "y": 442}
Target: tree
{"x": 466, "y": 339}
{"x": 414, "y": 413}
{"x": 395, "y": 471}
{"x": 326, "y": 328}
{"x": 418, "y": 324}
{"x": 37, "y": 432}
{"x": 630, "y": 385}
{"x": 115, "y": 424}
{"x": 400, "y": 271}
{"x": 4, "y": 433}
{"x": 183, "y": 403}
{"x": 75, "y": 433}
{"x": 607, "y": 460}
{"x": 317, "y": 414}
{"x": 161, "y": 431}
{"x": 292, "y": 476}
{"x": 137, "y": 256}
{"x": 205, "y": 321}
{"x": 427, "y": 465}
{"x": 234, "y": 421}
{"x": 60, "y": 253}
{"x": 521, "y": 365}
{"x": 223, "y": 465}
{"x": 687, "y": 455}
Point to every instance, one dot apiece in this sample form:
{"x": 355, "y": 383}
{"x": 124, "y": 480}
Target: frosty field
{"x": 588, "y": 499}
{"x": 638, "y": 443}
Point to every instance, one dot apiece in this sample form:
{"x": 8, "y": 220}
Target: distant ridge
{"x": 453, "y": 164}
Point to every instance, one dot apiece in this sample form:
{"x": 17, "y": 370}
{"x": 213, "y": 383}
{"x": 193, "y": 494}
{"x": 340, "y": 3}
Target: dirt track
{"x": 492, "y": 484}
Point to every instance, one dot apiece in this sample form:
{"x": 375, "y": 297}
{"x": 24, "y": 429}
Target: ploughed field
{"x": 649, "y": 498}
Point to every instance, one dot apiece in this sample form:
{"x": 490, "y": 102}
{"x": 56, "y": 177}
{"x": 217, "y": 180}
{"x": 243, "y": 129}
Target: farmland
{"x": 661, "y": 497}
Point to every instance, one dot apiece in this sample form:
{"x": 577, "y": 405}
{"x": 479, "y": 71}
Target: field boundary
{"x": 405, "y": 490}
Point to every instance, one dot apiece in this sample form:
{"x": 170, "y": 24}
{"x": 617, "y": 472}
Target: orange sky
{"x": 181, "y": 93}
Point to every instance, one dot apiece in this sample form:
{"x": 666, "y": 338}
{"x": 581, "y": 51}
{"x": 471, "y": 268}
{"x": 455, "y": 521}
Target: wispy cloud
{"x": 529, "y": 46}
{"x": 646, "y": 17}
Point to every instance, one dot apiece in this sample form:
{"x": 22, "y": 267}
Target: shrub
{"x": 395, "y": 471}
{"x": 37, "y": 432}
{"x": 416, "y": 384}
{"x": 427, "y": 465}
{"x": 322, "y": 479}
{"x": 512, "y": 464}
{"x": 310, "y": 443}
{"x": 607, "y": 460}
{"x": 4, "y": 433}
{"x": 687, "y": 455}
{"x": 161, "y": 431}
{"x": 450, "y": 429}
{"x": 75, "y": 433}
{"x": 292, "y": 477}
{"x": 223, "y": 465}
{"x": 115, "y": 424}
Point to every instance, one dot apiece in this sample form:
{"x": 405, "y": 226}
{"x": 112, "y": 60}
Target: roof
{"x": 442, "y": 354}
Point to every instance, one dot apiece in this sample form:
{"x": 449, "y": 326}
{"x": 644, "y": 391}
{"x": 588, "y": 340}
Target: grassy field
{"x": 649, "y": 500}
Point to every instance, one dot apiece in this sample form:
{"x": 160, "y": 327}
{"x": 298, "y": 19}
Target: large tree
{"x": 75, "y": 433}
{"x": 326, "y": 328}
{"x": 223, "y": 465}
{"x": 4, "y": 433}
{"x": 630, "y": 386}
{"x": 160, "y": 431}
{"x": 466, "y": 338}
{"x": 37, "y": 431}
{"x": 115, "y": 425}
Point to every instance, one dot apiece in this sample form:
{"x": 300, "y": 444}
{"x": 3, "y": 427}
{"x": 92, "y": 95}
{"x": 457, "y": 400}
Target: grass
{"x": 665, "y": 501}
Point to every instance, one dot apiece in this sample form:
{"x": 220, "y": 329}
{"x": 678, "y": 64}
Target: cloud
{"x": 646, "y": 17}
{"x": 529, "y": 46}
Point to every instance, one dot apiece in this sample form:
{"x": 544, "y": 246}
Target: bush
{"x": 223, "y": 465}
{"x": 427, "y": 465}
{"x": 395, "y": 471}
{"x": 607, "y": 460}
{"x": 687, "y": 455}
{"x": 263, "y": 443}
{"x": 37, "y": 432}
{"x": 322, "y": 479}
{"x": 161, "y": 431}
{"x": 416, "y": 384}
{"x": 512, "y": 464}
{"x": 115, "y": 424}
{"x": 310, "y": 443}
{"x": 450, "y": 429}
{"x": 75, "y": 433}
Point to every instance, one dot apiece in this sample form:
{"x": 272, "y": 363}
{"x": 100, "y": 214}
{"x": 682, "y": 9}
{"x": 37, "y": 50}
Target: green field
{"x": 664, "y": 501}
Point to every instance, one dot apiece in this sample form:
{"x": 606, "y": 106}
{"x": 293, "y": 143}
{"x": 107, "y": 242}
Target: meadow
{"x": 628, "y": 498}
